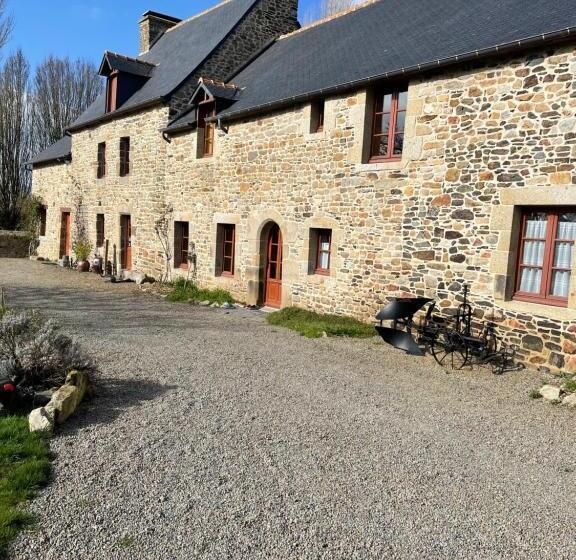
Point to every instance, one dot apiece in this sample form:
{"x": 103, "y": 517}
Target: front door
{"x": 125, "y": 242}
{"x": 65, "y": 226}
{"x": 273, "y": 278}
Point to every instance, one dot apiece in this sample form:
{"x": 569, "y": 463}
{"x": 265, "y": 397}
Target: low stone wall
{"x": 14, "y": 244}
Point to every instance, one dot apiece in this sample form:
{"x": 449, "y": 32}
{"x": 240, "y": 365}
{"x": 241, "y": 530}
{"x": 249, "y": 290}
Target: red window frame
{"x": 228, "y": 249}
{"x": 112, "y": 92}
{"x": 323, "y": 236}
{"x": 124, "y": 156}
{"x": 100, "y": 230}
{"x": 379, "y": 113}
{"x": 207, "y": 109}
{"x": 101, "y": 168}
{"x": 547, "y": 266}
{"x": 181, "y": 244}
{"x": 318, "y": 109}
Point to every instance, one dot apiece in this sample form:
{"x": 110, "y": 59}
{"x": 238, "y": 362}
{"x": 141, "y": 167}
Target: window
{"x": 99, "y": 230}
{"x": 42, "y": 216}
{"x": 206, "y": 130}
{"x": 545, "y": 256}
{"x": 124, "y": 156}
{"x": 112, "y": 92}
{"x": 226, "y": 241}
{"x": 181, "y": 241}
{"x": 388, "y": 125}
{"x": 101, "y": 172}
{"x": 320, "y": 251}
{"x": 317, "y": 116}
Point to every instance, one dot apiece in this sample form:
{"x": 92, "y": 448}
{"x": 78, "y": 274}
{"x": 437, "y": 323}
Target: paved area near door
{"x": 216, "y": 436}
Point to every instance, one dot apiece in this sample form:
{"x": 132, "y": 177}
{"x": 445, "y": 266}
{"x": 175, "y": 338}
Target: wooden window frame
{"x": 124, "y": 156}
{"x": 321, "y": 233}
{"x": 227, "y": 240}
{"x": 180, "y": 240}
{"x": 101, "y": 161}
{"x": 112, "y": 92}
{"x": 206, "y": 130}
{"x": 43, "y": 218}
{"x": 317, "y": 116}
{"x": 377, "y": 110}
{"x": 100, "y": 230}
{"x": 547, "y": 267}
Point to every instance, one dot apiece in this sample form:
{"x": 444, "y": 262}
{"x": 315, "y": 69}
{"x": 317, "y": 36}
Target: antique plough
{"x": 454, "y": 342}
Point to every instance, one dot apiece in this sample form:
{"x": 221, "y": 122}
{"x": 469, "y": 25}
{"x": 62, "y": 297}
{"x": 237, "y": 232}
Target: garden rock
{"x": 204, "y": 303}
{"x": 41, "y": 420}
{"x": 550, "y": 393}
{"x": 64, "y": 402}
{"x": 79, "y": 380}
{"x": 570, "y": 400}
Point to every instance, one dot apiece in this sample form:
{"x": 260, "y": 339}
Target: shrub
{"x": 186, "y": 291}
{"x": 33, "y": 353}
{"x": 314, "y": 325}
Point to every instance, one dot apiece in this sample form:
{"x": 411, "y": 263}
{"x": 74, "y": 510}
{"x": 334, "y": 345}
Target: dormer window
{"x": 112, "y": 92}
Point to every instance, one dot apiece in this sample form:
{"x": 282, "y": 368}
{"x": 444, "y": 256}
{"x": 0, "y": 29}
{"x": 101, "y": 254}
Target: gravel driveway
{"x": 216, "y": 436}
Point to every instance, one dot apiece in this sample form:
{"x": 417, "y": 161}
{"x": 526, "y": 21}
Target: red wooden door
{"x": 126, "y": 242}
{"x": 65, "y": 226}
{"x": 273, "y": 280}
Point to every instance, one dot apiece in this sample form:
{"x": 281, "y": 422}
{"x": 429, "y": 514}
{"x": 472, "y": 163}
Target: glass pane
{"x": 387, "y": 103}
{"x": 382, "y": 124}
{"x": 380, "y": 146}
{"x": 227, "y": 264}
{"x": 567, "y": 227}
{"x": 560, "y": 283}
{"x": 325, "y": 246}
{"x": 273, "y": 270}
{"x": 533, "y": 253}
{"x": 274, "y": 253}
{"x": 536, "y": 224}
{"x": 398, "y": 144}
{"x": 563, "y": 255}
{"x": 531, "y": 280}
{"x": 227, "y": 250}
{"x": 400, "y": 122}
{"x": 402, "y": 101}
{"x": 324, "y": 261}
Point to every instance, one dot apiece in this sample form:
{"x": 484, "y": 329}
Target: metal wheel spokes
{"x": 449, "y": 350}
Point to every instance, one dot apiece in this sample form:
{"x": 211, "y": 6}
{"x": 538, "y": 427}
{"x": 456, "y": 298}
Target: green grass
{"x": 314, "y": 325}
{"x": 24, "y": 468}
{"x": 184, "y": 292}
{"x": 535, "y": 394}
{"x": 570, "y": 386}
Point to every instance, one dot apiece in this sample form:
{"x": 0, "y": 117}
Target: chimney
{"x": 152, "y": 26}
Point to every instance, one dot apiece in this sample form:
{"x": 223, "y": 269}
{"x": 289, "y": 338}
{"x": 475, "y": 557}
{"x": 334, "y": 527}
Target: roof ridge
{"x": 195, "y": 16}
{"x": 215, "y": 82}
{"x": 331, "y": 17}
{"x": 130, "y": 58}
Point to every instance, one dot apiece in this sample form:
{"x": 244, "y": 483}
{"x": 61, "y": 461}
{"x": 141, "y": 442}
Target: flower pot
{"x": 83, "y": 266}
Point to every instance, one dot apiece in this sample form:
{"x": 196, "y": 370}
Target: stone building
{"x": 397, "y": 148}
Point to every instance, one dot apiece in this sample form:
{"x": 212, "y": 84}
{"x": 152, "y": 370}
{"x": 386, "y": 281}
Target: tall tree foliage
{"x": 62, "y": 90}
{"x": 15, "y": 137}
{"x": 5, "y": 24}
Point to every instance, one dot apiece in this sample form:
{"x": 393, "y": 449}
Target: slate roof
{"x": 61, "y": 150}
{"x": 389, "y": 38}
{"x": 127, "y": 64}
{"x": 177, "y": 54}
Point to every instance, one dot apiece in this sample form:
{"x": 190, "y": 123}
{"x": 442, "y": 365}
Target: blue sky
{"x": 86, "y": 28}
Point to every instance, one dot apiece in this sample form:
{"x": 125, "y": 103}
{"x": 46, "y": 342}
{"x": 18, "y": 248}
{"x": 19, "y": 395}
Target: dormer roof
{"x": 116, "y": 62}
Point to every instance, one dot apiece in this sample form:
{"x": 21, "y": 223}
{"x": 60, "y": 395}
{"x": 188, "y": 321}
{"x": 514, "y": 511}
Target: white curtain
{"x": 531, "y": 280}
{"x": 563, "y": 255}
{"x": 325, "y": 255}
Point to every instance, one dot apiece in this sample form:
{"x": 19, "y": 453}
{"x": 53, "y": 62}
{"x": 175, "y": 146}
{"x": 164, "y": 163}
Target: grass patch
{"x": 570, "y": 386}
{"x": 314, "y": 325}
{"x": 24, "y": 468}
{"x": 535, "y": 394}
{"x": 185, "y": 292}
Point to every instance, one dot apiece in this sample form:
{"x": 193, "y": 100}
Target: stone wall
{"x": 479, "y": 143}
{"x": 14, "y": 244}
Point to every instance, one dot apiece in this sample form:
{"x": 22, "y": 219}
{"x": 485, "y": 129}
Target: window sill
{"x": 539, "y": 309}
{"x": 322, "y": 272}
{"x": 383, "y": 165}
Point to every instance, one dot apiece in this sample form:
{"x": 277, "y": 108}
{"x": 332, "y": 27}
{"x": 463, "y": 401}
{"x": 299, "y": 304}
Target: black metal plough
{"x": 454, "y": 342}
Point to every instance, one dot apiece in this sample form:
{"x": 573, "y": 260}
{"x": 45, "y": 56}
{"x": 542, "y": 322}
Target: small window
{"x": 99, "y": 230}
{"x": 181, "y": 243}
{"x": 226, "y": 240}
{"x": 547, "y": 240}
{"x": 112, "y": 92}
{"x": 124, "y": 156}
{"x": 317, "y": 116}
{"x": 320, "y": 251}
{"x": 42, "y": 217}
{"x": 206, "y": 130}
{"x": 101, "y": 172}
{"x": 388, "y": 125}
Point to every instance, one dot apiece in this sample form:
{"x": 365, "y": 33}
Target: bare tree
{"x": 5, "y": 24}
{"x": 62, "y": 90}
{"x": 328, "y": 8}
{"x": 15, "y": 137}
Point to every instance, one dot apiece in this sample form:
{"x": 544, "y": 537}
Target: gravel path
{"x": 216, "y": 436}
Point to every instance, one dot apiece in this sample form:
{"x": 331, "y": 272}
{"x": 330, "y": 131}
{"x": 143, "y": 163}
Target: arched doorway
{"x": 271, "y": 251}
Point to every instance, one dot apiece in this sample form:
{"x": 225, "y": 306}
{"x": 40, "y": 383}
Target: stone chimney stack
{"x": 152, "y": 26}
